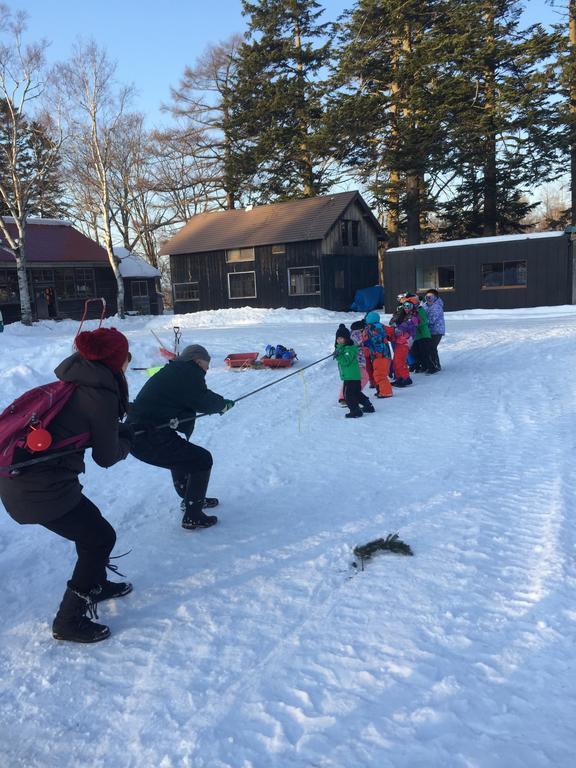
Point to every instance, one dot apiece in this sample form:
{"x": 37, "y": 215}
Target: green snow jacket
{"x": 348, "y": 365}
{"x": 422, "y": 329}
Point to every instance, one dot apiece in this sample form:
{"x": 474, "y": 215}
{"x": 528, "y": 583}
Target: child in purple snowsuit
{"x": 435, "y": 311}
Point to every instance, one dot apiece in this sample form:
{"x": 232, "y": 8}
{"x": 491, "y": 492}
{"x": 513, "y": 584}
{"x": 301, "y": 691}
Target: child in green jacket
{"x": 346, "y": 354}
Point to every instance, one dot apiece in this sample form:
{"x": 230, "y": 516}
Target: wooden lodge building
{"x": 65, "y": 268}
{"x": 502, "y": 272}
{"x": 302, "y": 253}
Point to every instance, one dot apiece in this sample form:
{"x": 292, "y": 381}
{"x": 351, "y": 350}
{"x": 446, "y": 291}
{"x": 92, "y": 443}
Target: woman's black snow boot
{"x": 71, "y": 622}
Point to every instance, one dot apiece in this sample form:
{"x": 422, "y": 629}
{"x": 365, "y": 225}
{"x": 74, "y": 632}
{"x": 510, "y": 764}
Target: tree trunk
{"x": 305, "y": 163}
{"x": 572, "y": 108}
{"x": 112, "y": 259}
{"x": 490, "y": 167}
{"x": 25, "y": 303}
{"x": 412, "y": 208}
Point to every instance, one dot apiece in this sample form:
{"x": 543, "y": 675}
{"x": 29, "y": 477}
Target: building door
{"x": 140, "y": 297}
{"x": 45, "y": 299}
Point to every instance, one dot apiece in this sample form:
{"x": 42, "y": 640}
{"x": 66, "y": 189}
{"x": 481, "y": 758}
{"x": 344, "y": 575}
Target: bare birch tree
{"x": 95, "y": 105}
{"x": 22, "y": 83}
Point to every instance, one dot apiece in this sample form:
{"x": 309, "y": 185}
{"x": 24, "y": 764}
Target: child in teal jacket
{"x": 346, "y": 354}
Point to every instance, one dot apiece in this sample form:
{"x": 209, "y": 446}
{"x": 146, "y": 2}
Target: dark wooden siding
{"x": 549, "y": 267}
{"x": 367, "y": 239}
{"x": 340, "y": 276}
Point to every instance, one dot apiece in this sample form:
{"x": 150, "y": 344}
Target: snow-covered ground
{"x": 255, "y": 644}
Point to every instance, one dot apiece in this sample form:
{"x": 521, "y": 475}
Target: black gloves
{"x": 227, "y": 405}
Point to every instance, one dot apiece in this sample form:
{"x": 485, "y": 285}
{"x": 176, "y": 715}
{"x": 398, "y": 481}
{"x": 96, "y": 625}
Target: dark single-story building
{"x": 142, "y": 294}
{"x": 500, "y": 272}
{"x": 64, "y": 269}
{"x": 301, "y": 253}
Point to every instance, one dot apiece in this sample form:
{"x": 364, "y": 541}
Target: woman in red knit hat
{"x": 50, "y": 494}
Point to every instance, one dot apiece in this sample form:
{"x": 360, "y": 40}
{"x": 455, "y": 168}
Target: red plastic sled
{"x": 241, "y": 359}
{"x": 272, "y": 362}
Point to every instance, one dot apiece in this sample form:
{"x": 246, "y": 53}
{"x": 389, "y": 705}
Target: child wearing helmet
{"x": 404, "y": 322}
{"x": 375, "y": 339}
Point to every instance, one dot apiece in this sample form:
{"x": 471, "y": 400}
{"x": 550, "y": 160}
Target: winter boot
{"x": 342, "y": 403}
{"x": 368, "y": 408}
{"x": 110, "y": 589}
{"x": 71, "y": 622}
{"x": 209, "y": 503}
{"x": 194, "y": 500}
{"x": 398, "y": 383}
{"x": 353, "y": 414}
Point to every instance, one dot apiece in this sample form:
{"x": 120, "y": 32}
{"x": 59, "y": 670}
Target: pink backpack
{"x": 23, "y": 424}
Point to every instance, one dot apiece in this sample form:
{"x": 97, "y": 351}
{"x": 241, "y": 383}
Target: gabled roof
{"x": 54, "y": 241}
{"x": 132, "y": 265}
{"x": 289, "y": 222}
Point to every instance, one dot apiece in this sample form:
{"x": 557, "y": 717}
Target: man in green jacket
{"x": 176, "y": 394}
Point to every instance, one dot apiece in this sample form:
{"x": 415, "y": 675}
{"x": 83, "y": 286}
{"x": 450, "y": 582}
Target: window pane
{"x": 355, "y": 225}
{"x": 43, "y": 275}
{"x": 445, "y": 277}
{"x": 65, "y": 284}
{"x": 242, "y": 285}
{"x": 240, "y": 254}
{"x": 304, "y": 281}
{"x": 344, "y": 232}
{"x": 504, "y": 273}
{"x": 139, "y": 288}
{"x": 187, "y": 292}
{"x": 491, "y": 275}
{"x": 9, "y": 292}
{"x": 426, "y": 277}
{"x": 514, "y": 273}
{"x": 279, "y": 248}
{"x": 84, "y": 283}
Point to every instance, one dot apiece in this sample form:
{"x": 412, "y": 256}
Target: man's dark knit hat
{"x": 194, "y": 352}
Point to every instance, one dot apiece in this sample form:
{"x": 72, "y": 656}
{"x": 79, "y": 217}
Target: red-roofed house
{"x": 64, "y": 269}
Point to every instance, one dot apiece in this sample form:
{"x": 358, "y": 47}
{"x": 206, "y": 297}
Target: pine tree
{"x": 499, "y": 118}
{"x": 277, "y": 114}
{"x": 387, "y": 117}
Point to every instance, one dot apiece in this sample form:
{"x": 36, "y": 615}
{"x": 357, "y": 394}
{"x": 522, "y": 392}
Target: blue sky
{"x": 152, "y": 41}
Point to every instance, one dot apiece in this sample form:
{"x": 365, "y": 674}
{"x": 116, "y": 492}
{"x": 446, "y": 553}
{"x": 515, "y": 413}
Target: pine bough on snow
{"x": 390, "y": 544}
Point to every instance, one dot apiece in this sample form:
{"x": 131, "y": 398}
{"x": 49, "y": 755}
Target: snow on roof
{"x": 132, "y": 265}
{"x": 48, "y": 222}
{"x": 477, "y": 240}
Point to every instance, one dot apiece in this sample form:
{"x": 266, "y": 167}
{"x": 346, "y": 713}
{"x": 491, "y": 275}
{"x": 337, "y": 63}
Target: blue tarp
{"x": 367, "y": 299}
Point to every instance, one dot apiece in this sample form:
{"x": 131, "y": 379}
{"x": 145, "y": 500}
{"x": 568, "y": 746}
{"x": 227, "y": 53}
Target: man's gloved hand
{"x": 227, "y": 405}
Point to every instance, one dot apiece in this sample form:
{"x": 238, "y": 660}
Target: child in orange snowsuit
{"x": 375, "y": 338}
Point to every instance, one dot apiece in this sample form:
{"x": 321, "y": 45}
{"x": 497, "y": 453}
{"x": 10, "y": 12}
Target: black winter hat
{"x": 343, "y": 332}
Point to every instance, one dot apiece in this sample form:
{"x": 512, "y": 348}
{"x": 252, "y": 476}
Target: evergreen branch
{"x": 390, "y": 544}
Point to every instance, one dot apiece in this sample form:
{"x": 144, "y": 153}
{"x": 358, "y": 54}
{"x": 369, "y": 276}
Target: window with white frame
{"x": 186, "y": 292}
{"x": 239, "y": 254}
{"x": 440, "y": 278}
{"x": 242, "y": 285}
{"x": 303, "y": 281}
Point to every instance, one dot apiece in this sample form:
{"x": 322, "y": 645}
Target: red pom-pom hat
{"x": 105, "y": 345}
